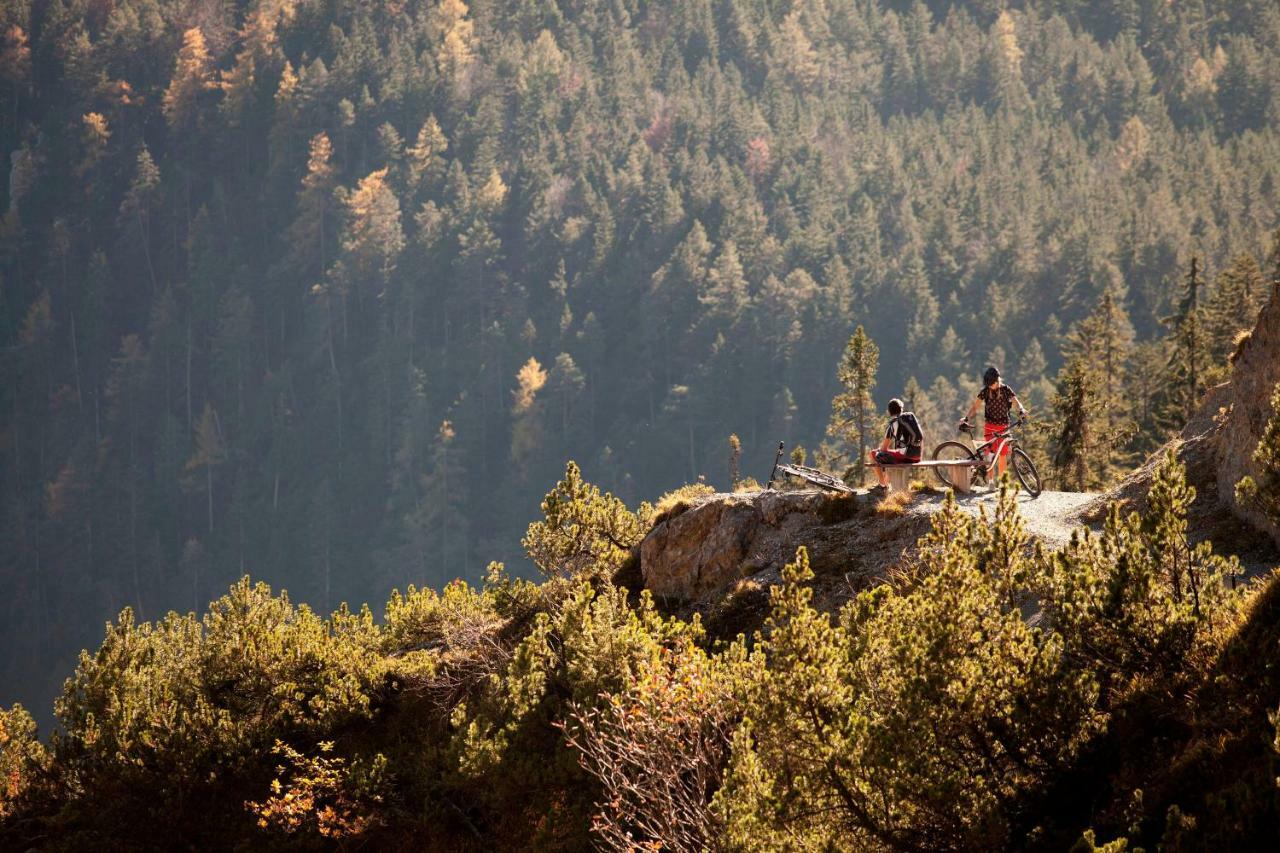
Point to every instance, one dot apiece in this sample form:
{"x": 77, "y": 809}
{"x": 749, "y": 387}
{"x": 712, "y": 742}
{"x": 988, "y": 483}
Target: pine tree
{"x": 565, "y": 384}
{"x": 210, "y": 452}
{"x": 1187, "y": 359}
{"x": 441, "y": 516}
{"x": 139, "y": 202}
{"x": 1073, "y": 440}
{"x": 1232, "y": 309}
{"x": 583, "y": 533}
{"x": 1102, "y": 342}
{"x": 853, "y": 409}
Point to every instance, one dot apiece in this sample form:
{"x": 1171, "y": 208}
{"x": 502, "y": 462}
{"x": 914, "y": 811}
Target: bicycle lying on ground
{"x": 986, "y": 454}
{"x": 821, "y": 479}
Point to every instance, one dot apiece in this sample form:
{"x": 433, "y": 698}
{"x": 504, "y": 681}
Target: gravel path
{"x": 1051, "y": 518}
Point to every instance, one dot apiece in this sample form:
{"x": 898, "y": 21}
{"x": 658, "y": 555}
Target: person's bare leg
{"x": 881, "y": 475}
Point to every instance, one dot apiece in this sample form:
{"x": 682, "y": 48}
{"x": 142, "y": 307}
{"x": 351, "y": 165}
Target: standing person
{"x": 907, "y": 439}
{"x": 998, "y": 400}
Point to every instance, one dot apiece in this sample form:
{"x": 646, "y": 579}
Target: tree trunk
{"x": 75, "y": 360}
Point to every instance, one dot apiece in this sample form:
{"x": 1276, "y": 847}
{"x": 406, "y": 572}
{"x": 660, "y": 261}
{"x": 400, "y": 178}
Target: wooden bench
{"x": 900, "y": 474}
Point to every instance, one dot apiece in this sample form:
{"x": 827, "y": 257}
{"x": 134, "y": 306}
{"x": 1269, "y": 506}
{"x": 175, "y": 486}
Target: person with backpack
{"x": 902, "y": 444}
{"x": 998, "y": 401}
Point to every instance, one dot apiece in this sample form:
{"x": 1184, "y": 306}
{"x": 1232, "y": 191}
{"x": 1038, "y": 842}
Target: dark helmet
{"x": 895, "y": 407}
{"x": 992, "y": 374}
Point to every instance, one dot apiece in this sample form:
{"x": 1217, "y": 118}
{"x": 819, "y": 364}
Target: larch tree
{"x": 192, "y": 75}
{"x": 454, "y": 32}
{"x": 15, "y": 64}
{"x": 373, "y": 237}
{"x": 308, "y": 235}
{"x": 527, "y": 427}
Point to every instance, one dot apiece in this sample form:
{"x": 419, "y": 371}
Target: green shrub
{"x": 582, "y": 531}
{"x": 508, "y": 746}
{"x": 1138, "y": 601}
{"x": 920, "y": 719}
{"x": 23, "y": 759}
{"x": 173, "y": 718}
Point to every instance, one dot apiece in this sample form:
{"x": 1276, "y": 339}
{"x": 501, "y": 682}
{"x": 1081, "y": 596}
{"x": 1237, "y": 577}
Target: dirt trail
{"x": 1051, "y": 518}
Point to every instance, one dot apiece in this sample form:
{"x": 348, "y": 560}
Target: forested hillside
{"x": 328, "y": 291}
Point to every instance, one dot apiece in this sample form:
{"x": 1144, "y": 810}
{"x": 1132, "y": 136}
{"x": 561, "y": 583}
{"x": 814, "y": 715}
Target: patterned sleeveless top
{"x": 998, "y": 401}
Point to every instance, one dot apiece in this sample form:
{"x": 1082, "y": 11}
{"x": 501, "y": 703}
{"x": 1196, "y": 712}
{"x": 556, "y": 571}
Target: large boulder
{"x": 723, "y": 538}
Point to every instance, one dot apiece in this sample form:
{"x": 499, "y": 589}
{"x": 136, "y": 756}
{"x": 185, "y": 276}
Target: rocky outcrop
{"x": 723, "y": 538}
{"x": 1217, "y": 446}
{"x": 1247, "y": 403}
{"x": 728, "y": 545}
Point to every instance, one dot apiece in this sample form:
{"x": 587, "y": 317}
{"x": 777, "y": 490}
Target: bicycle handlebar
{"x": 965, "y": 426}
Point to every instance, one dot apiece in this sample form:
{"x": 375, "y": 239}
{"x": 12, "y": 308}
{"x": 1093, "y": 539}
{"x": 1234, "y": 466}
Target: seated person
{"x": 907, "y": 442}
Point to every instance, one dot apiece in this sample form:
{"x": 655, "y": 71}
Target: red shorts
{"x": 895, "y": 457}
{"x": 989, "y": 431}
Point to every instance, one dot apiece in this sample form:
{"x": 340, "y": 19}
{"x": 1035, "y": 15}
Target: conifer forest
{"x": 328, "y": 293}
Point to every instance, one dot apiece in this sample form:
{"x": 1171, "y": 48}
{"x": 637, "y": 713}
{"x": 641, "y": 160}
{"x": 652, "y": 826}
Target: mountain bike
{"x": 985, "y": 455}
{"x": 821, "y": 479}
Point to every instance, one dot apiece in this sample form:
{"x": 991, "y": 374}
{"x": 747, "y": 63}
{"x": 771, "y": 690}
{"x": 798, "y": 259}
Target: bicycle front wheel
{"x": 951, "y": 451}
{"x": 1026, "y": 471}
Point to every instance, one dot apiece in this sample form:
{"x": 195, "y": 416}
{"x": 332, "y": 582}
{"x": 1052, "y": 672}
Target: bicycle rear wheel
{"x": 1026, "y": 471}
{"x": 951, "y": 451}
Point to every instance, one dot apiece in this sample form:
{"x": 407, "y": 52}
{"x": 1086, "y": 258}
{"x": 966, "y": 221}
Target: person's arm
{"x": 1022, "y": 410}
{"x": 973, "y": 410}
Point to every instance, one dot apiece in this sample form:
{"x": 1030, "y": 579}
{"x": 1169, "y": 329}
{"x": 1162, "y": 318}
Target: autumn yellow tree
{"x": 454, "y": 34}
{"x": 526, "y": 413}
{"x": 373, "y": 237}
{"x": 191, "y": 75}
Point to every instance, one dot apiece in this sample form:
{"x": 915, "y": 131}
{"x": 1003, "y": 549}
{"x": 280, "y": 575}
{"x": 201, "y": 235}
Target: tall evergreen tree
{"x": 1188, "y": 355}
{"x": 853, "y": 409}
{"x": 1074, "y": 440}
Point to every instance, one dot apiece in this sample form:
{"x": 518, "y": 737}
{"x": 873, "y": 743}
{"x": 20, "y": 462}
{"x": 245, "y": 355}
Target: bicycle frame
{"x": 1003, "y": 441}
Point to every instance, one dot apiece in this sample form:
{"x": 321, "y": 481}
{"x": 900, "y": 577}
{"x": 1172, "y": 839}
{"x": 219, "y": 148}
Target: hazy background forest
{"x": 327, "y": 292}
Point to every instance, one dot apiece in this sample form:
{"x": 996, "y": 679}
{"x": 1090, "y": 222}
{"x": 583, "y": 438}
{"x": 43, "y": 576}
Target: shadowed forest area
{"x": 327, "y": 292}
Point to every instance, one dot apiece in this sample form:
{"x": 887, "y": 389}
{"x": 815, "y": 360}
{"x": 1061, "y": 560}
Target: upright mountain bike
{"x": 985, "y": 455}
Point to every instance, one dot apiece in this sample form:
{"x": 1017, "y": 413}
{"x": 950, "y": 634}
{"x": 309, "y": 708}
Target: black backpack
{"x": 909, "y": 420}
